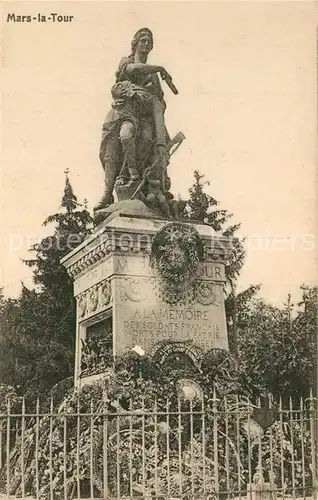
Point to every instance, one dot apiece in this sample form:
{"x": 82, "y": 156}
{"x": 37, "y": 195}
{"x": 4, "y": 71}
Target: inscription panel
{"x": 212, "y": 271}
{"x": 136, "y": 265}
{"x": 141, "y": 318}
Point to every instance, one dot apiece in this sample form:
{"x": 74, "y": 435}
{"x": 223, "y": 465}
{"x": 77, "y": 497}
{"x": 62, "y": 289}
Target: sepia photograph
{"x": 158, "y": 284}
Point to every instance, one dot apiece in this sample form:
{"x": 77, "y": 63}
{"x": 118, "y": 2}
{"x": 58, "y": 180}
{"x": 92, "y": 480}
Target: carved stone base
{"x": 115, "y": 282}
{"x": 126, "y": 191}
{"x": 128, "y": 207}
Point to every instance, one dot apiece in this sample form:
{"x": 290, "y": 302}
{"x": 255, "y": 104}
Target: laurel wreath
{"x": 176, "y": 252}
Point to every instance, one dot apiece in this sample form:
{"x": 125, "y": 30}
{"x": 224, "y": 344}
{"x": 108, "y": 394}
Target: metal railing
{"x": 176, "y": 449}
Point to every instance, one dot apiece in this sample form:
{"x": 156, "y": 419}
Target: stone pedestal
{"x": 118, "y": 305}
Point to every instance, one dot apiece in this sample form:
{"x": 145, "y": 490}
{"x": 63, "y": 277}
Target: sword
{"x": 171, "y": 85}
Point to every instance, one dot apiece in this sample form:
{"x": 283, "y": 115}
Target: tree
{"x": 277, "y": 347}
{"x": 37, "y": 339}
{"x": 237, "y": 307}
{"x": 204, "y": 208}
{"x": 9, "y": 343}
{"x": 71, "y": 228}
{"x": 274, "y": 347}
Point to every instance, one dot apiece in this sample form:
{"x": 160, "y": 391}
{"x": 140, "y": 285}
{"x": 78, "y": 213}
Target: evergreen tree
{"x": 277, "y": 347}
{"x": 9, "y": 343}
{"x": 237, "y": 307}
{"x": 38, "y": 337}
{"x": 69, "y": 200}
{"x": 203, "y": 207}
{"x": 72, "y": 226}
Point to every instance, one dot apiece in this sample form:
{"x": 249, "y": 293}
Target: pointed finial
{"x": 66, "y": 171}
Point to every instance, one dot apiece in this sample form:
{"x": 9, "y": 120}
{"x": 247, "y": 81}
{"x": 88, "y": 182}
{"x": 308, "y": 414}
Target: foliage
{"x": 71, "y": 228}
{"x": 152, "y": 434}
{"x": 136, "y": 384}
{"x": 287, "y": 444}
{"x": 237, "y": 308}
{"x": 277, "y": 347}
{"x": 32, "y": 358}
{"x": 96, "y": 355}
{"x": 204, "y": 208}
{"x": 8, "y": 396}
{"x": 37, "y": 329}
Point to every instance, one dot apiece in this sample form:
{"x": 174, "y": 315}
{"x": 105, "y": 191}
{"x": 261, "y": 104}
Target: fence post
{"x": 22, "y": 448}
{"x": 65, "y": 453}
{"x": 131, "y": 480}
{"x": 313, "y": 429}
{"x": 238, "y": 445}
{"x": 51, "y": 449}
{"x": 215, "y": 443}
{"x": 91, "y": 450}
{"x": 291, "y": 423}
{"x": 168, "y": 446}
{"x": 8, "y": 447}
{"x": 105, "y": 439}
{"x": 37, "y": 448}
{"x": 259, "y": 489}
{"x": 78, "y": 452}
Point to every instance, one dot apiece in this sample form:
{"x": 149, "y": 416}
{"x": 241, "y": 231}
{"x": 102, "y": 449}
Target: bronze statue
{"x": 135, "y": 143}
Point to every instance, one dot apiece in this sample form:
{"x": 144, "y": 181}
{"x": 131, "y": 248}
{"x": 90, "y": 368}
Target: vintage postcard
{"x": 158, "y": 274}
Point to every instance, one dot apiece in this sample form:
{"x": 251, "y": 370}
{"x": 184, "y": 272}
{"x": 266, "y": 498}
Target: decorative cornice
{"x": 126, "y": 241}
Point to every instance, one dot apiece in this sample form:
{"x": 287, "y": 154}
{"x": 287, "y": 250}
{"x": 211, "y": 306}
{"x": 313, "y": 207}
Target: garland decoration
{"x": 176, "y": 252}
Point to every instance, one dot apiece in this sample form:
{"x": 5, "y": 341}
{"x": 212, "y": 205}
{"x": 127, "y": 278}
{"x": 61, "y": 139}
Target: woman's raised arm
{"x": 144, "y": 69}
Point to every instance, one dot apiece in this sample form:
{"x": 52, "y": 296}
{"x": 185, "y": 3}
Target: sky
{"x": 246, "y": 77}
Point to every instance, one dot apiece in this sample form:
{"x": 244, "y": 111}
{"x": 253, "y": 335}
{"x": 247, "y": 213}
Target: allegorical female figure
{"x": 134, "y": 132}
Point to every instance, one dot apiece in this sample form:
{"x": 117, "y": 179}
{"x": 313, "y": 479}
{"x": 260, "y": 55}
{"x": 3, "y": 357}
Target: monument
{"x": 147, "y": 278}
{"x": 136, "y": 147}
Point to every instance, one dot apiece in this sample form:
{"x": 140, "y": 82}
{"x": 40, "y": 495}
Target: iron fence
{"x": 176, "y": 449}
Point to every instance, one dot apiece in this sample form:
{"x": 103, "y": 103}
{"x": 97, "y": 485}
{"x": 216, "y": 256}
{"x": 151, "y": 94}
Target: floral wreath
{"x": 176, "y": 252}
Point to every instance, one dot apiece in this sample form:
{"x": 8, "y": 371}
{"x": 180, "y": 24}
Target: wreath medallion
{"x": 206, "y": 294}
{"x": 176, "y": 252}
